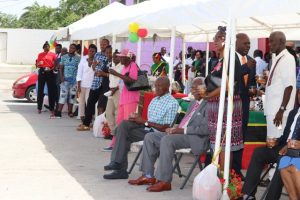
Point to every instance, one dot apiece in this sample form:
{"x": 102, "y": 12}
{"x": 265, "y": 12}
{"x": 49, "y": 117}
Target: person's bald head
{"x": 277, "y": 42}
{"x": 162, "y": 85}
{"x": 198, "y": 81}
{"x": 242, "y": 44}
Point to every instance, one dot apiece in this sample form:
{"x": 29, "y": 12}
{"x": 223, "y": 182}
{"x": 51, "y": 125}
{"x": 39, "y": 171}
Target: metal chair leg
{"x": 196, "y": 161}
{"x": 262, "y": 178}
{"x": 135, "y": 160}
{"x": 176, "y": 165}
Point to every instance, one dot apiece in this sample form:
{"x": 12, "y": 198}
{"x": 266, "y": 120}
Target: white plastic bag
{"x": 207, "y": 185}
{"x": 98, "y": 125}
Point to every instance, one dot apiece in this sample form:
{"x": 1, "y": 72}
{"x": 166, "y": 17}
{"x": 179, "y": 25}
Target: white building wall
{"x": 23, "y": 45}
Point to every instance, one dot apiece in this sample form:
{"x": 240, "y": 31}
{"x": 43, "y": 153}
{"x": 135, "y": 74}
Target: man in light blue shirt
{"x": 161, "y": 113}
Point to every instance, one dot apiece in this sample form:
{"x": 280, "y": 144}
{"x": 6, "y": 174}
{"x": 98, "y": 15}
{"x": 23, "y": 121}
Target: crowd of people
{"x": 102, "y": 78}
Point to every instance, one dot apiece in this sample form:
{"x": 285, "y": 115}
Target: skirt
{"x": 237, "y": 116}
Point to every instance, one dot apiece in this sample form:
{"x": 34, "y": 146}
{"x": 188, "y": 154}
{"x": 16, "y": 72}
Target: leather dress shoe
{"x": 143, "y": 180}
{"x": 112, "y": 166}
{"x": 159, "y": 187}
{"x": 117, "y": 174}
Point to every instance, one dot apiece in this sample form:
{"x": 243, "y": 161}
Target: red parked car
{"x": 24, "y": 87}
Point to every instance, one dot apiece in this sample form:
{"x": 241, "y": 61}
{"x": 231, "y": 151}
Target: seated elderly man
{"x": 191, "y": 133}
{"x": 266, "y": 155}
{"x": 161, "y": 113}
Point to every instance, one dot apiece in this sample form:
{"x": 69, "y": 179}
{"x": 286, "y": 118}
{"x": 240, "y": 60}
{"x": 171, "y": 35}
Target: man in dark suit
{"x": 245, "y": 74}
{"x": 192, "y": 133}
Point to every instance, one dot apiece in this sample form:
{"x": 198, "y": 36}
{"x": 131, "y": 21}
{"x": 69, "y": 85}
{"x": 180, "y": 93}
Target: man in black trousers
{"x": 245, "y": 73}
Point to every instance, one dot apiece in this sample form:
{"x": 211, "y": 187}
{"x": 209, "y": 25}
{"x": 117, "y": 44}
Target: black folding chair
{"x": 260, "y": 180}
{"x": 197, "y": 160}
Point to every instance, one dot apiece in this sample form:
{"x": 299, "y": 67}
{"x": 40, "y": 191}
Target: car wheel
{"x": 31, "y": 94}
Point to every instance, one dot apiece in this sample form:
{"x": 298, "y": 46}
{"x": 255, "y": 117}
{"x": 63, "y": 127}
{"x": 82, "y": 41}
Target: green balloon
{"x": 133, "y": 37}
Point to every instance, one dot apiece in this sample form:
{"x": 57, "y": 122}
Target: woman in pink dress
{"x": 128, "y": 99}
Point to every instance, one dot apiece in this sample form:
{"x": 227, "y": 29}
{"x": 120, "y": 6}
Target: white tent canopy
{"x": 195, "y": 18}
{"x": 103, "y": 15}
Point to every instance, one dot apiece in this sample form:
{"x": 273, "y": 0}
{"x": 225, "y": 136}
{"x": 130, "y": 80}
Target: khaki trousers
{"x": 111, "y": 112}
{"x": 83, "y": 97}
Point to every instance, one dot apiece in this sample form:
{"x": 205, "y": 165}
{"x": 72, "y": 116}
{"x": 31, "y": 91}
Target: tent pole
{"x": 139, "y": 52}
{"x": 82, "y": 47}
{"x": 222, "y": 93}
{"x": 183, "y": 63}
{"x": 172, "y": 52}
{"x": 207, "y": 55}
{"x": 114, "y": 42}
{"x": 98, "y": 44}
{"x": 230, "y": 106}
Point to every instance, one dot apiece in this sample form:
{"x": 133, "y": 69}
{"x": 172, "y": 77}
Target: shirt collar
{"x": 280, "y": 54}
{"x": 240, "y": 57}
{"x": 164, "y": 96}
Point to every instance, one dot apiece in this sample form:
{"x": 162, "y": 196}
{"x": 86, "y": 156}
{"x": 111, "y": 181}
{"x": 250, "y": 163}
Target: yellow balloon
{"x": 134, "y": 27}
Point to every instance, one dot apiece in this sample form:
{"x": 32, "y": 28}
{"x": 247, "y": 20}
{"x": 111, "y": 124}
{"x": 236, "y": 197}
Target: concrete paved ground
{"x": 43, "y": 159}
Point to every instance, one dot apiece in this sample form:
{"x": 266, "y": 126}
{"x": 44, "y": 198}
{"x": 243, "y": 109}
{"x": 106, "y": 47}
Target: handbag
{"x": 141, "y": 83}
{"x": 212, "y": 82}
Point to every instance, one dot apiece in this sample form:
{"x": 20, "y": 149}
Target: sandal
{"x": 83, "y": 128}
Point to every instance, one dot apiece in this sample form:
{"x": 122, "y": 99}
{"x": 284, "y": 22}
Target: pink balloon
{"x": 142, "y": 32}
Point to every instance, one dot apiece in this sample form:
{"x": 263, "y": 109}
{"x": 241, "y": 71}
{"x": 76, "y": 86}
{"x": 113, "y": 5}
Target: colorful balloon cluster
{"x": 136, "y": 32}
{"x": 52, "y": 42}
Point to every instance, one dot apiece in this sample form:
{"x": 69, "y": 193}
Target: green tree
{"x": 38, "y": 17}
{"x": 8, "y": 21}
{"x": 44, "y": 17}
{"x": 70, "y": 11}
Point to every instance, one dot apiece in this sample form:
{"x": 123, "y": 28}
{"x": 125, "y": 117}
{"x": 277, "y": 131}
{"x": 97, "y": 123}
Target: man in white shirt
{"x": 85, "y": 76}
{"x": 261, "y": 65}
{"x": 191, "y": 75}
{"x": 164, "y": 54}
{"x": 280, "y": 87}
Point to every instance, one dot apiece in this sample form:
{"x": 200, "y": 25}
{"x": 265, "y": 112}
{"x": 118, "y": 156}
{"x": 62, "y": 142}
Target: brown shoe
{"x": 143, "y": 180}
{"x": 83, "y": 128}
{"x": 159, "y": 187}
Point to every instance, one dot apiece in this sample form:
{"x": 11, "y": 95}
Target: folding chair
{"x": 140, "y": 143}
{"x": 197, "y": 160}
{"x": 178, "y": 117}
{"x": 260, "y": 180}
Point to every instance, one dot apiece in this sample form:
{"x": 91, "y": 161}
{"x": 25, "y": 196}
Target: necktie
{"x": 245, "y": 76}
{"x": 187, "y": 117}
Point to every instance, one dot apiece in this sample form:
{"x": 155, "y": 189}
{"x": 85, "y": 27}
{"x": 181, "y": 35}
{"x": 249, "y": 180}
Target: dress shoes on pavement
{"x": 117, "y": 174}
{"x": 143, "y": 180}
{"x": 112, "y": 166}
{"x": 159, "y": 187}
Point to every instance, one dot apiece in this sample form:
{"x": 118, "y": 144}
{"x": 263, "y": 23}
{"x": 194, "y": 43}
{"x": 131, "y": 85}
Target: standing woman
{"x": 45, "y": 63}
{"x": 213, "y": 98}
{"x": 129, "y": 100}
{"x": 198, "y": 66}
{"x": 160, "y": 67}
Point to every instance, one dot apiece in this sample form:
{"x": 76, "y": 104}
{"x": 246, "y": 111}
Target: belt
{"x": 293, "y": 153}
{"x": 46, "y": 69}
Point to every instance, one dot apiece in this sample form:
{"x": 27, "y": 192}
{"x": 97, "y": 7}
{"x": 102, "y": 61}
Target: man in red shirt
{"x": 45, "y": 62}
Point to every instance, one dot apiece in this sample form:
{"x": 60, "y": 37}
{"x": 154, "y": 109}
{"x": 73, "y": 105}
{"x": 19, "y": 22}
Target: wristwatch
{"x": 282, "y": 108}
{"x": 146, "y": 124}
